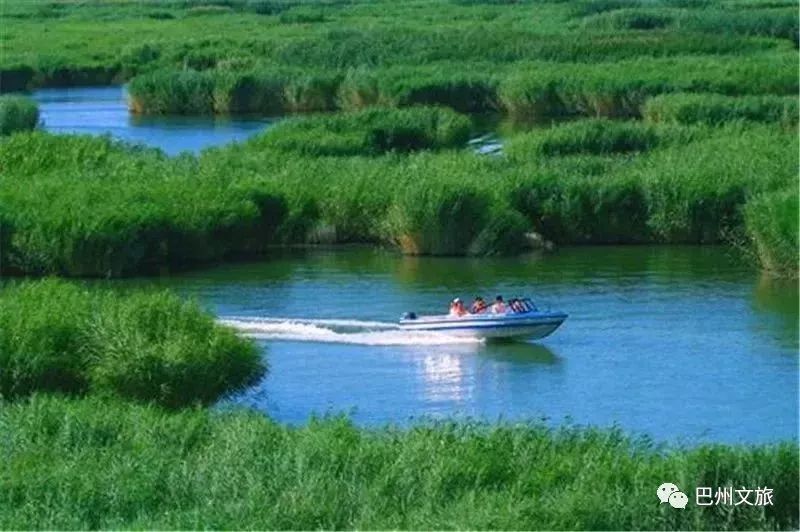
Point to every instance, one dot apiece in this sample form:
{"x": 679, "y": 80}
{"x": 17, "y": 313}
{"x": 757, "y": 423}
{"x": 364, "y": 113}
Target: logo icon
{"x": 669, "y": 492}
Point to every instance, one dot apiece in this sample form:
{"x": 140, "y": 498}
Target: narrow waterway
{"x": 104, "y": 111}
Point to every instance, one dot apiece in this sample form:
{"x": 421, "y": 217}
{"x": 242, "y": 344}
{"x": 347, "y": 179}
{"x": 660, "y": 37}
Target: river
{"x": 104, "y": 110}
{"x": 683, "y": 344}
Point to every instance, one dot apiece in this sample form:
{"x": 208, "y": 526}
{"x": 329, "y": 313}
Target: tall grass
{"x": 691, "y": 192}
{"x": 17, "y": 113}
{"x": 545, "y": 91}
{"x": 92, "y": 207}
{"x": 101, "y": 43}
{"x": 716, "y": 109}
{"x": 101, "y": 464}
{"x": 537, "y": 90}
{"x": 88, "y": 206}
{"x": 149, "y": 347}
{"x": 772, "y": 223}
{"x": 371, "y": 132}
{"x": 598, "y": 137}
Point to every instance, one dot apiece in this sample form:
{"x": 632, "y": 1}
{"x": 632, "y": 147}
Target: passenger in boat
{"x": 478, "y": 306}
{"x": 457, "y": 308}
{"x": 499, "y": 306}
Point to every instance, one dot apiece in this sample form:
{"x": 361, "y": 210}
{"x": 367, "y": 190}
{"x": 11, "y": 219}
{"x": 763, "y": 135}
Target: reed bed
{"x": 758, "y": 20}
{"x": 545, "y": 91}
{"x": 772, "y": 221}
{"x": 93, "y": 463}
{"x": 531, "y": 90}
{"x": 598, "y": 137}
{"x": 370, "y": 132}
{"x": 144, "y": 347}
{"x": 715, "y": 109}
{"x": 17, "y": 113}
{"x": 92, "y": 207}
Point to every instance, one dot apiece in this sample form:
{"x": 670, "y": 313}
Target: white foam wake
{"x": 338, "y": 331}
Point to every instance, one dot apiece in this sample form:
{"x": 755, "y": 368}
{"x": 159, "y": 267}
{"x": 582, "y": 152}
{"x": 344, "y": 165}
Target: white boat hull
{"x": 532, "y": 325}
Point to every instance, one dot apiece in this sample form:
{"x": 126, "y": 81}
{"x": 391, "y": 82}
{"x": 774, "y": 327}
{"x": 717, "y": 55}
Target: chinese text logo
{"x": 668, "y": 492}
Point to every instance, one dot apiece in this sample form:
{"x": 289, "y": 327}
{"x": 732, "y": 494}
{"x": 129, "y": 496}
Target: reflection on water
{"x": 444, "y": 377}
{"x": 681, "y": 343}
{"x": 777, "y": 312}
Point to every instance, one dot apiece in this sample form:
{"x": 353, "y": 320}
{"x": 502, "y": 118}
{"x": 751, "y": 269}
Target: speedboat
{"x": 521, "y": 320}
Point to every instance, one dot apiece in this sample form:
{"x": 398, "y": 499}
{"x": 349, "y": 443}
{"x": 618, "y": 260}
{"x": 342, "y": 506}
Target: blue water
{"x": 104, "y": 110}
{"x": 684, "y": 344}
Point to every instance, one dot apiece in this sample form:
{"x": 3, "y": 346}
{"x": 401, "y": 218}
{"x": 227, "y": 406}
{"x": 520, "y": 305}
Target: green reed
{"x": 17, "y": 113}
{"x": 716, "y": 109}
{"x": 103, "y": 464}
{"x": 146, "y": 347}
{"x": 771, "y": 221}
{"x": 93, "y": 207}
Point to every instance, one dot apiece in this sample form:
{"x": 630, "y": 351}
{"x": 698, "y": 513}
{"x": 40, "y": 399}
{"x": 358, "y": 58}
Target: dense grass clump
{"x": 772, "y": 224}
{"x": 597, "y": 136}
{"x": 546, "y": 91}
{"x": 371, "y": 132}
{"x": 100, "y": 464}
{"x": 716, "y": 109}
{"x": 89, "y": 206}
{"x": 149, "y": 347}
{"x": 174, "y": 92}
{"x": 468, "y": 92}
{"x": 266, "y": 91}
{"x": 17, "y": 113}
{"x": 690, "y": 192}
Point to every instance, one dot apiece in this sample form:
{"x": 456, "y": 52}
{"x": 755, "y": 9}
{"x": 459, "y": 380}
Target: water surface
{"x": 104, "y": 111}
{"x": 682, "y": 343}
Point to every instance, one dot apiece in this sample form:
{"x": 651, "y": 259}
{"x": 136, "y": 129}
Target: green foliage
{"x": 370, "y": 132}
{"x": 696, "y": 192}
{"x": 545, "y": 91}
{"x": 17, "y": 113}
{"x": 716, "y": 109}
{"x": 88, "y": 463}
{"x": 97, "y": 208}
{"x": 149, "y": 347}
{"x": 772, "y": 223}
{"x": 88, "y": 206}
{"x": 175, "y": 92}
{"x": 440, "y": 219}
{"x": 467, "y": 92}
{"x": 597, "y": 136}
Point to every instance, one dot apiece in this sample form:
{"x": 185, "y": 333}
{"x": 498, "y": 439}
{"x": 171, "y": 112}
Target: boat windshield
{"x": 525, "y": 305}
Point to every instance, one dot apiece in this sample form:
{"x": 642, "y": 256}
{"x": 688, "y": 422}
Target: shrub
{"x": 143, "y": 347}
{"x": 17, "y": 113}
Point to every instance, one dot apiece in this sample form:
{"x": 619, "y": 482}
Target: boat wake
{"x": 338, "y": 331}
